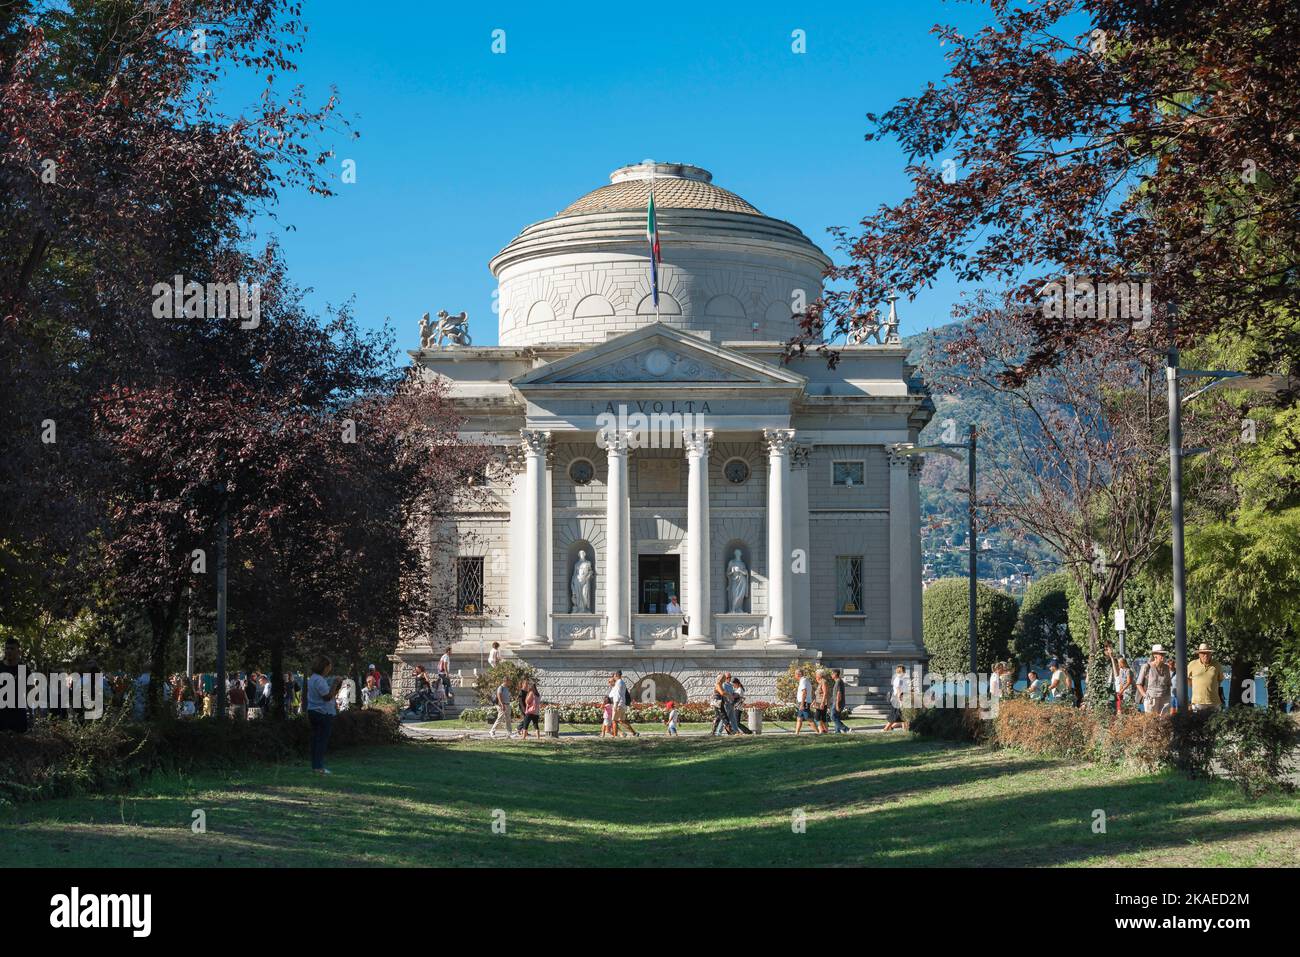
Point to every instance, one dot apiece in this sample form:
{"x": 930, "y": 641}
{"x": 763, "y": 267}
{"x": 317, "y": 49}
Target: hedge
{"x": 1249, "y": 746}
{"x": 59, "y": 758}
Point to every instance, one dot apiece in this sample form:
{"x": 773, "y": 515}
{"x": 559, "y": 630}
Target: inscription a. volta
{"x": 669, "y": 406}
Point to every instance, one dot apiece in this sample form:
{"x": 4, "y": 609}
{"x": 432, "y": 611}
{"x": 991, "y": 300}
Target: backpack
{"x": 627, "y": 696}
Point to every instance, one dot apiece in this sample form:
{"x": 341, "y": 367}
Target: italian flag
{"x": 652, "y": 236}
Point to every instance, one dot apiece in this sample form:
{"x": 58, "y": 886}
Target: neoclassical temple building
{"x": 679, "y": 501}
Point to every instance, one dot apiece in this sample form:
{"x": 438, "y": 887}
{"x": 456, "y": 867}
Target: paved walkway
{"x": 569, "y": 733}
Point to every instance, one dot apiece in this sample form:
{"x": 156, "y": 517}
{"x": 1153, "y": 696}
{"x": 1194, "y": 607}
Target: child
{"x": 607, "y": 724}
{"x": 671, "y": 720}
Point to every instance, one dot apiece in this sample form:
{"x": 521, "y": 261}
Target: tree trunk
{"x": 277, "y": 677}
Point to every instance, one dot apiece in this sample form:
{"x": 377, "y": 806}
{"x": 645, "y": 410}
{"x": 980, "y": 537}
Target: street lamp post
{"x": 1240, "y": 380}
{"x": 950, "y": 449}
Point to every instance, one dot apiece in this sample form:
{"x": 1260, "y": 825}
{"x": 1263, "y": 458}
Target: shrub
{"x": 787, "y": 684}
{"x": 386, "y": 703}
{"x": 945, "y": 625}
{"x": 950, "y": 724}
{"x": 485, "y": 685}
{"x": 58, "y": 758}
{"x": 1138, "y": 740}
{"x": 1252, "y": 744}
{"x": 1047, "y": 729}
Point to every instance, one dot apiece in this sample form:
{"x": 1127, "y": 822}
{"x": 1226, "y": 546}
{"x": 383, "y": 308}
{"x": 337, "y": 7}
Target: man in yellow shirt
{"x": 1207, "y": 681}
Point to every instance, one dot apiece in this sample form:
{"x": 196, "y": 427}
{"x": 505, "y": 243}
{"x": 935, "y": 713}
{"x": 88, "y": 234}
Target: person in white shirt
{"x": 618, "y": 694}
{"x": 803, "y": 702}
{"x": 444, "y": 670}
{"x": 898, "y": 688}
{"x": 494, "y": 656}
{"x": 673, "y": 607}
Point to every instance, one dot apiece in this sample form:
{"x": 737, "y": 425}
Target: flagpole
{"x": 653, "y": 264}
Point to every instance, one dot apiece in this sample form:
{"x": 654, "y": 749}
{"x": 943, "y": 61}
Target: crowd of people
{"x": 1150, "y": 690}
{"x": 248, "y": 693}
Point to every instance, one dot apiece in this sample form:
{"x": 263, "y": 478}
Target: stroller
{"x": 424, "y": 706}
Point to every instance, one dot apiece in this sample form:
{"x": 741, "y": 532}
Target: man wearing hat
{"x": 1207, "y": 681}
{"x": 1155, "y": 682}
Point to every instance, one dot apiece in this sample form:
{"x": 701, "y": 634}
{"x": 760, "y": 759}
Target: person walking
{"x": 494, "y": 656}
{"x": 822, "y": 702}
{"x": 1206, "y": 678}
{"x": 622, "y": 698}
{"x": 837, "y": 702}
{"x": 738, "y": 706}
{"x": 502, "y": 699}
{"x": 444, "y": 671}
{"x": 530, "y": 703}
{"x": 607, "y": 721}
{"x": 803, "y": 702}
{"x": 321, "y": 709}
{"x": 897, "y": 689}
{"x": 671, "y": 718}
{"x": 1155, "y": 683}
{"x": 720, "y": 723}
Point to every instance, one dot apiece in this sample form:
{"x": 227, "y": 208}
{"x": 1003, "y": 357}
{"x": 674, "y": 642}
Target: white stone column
{"x": 800, "y": 538}
{"x": 779, "y": 444}
{"x": 535, "y": 538}
{"x": 617, "y": 550}
{"x": 900, "y": 552}
{"x": 918, "y": 557}
{"x": 698, "y": 548}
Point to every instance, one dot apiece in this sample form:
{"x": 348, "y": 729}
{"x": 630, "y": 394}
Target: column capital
{"x": 898, "y": 458}
{"x": 916, "y": 465}
{"x": 612, "y": 441}
{"x": 534, "y": 441}
{"x": 779, "y": 441}
{"x": 800, "y": 456}
{"x": 698, "y": 443}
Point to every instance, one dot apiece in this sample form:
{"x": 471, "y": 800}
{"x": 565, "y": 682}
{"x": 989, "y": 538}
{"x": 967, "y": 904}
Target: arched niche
{"x": 593, "y": 307}
{"x": 668, "y": 306}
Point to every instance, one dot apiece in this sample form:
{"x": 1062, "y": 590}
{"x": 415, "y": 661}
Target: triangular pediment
{"x": 657, "y": 354}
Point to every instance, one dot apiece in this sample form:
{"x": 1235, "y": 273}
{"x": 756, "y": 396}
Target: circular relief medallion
{"x": 581, "y": 472}
{"x": 736, "y": 471}
{"x": 658, "y": 362}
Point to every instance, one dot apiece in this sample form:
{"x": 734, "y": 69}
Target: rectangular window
{"x": 848, "y": 577}
{"x": 469, "y": 586}
{"x": 849, "y": 474}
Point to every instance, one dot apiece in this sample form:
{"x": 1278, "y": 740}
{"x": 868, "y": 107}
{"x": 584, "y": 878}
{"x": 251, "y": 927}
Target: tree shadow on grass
{"x": 868, "y": 802}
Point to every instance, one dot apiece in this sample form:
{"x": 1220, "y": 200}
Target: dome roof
{"x": 676, "y": 186}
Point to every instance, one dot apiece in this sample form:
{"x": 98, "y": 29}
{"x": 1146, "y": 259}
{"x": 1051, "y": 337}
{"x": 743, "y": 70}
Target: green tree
{"x": 1043, "y": 626}
{"x": 944, "y": 621}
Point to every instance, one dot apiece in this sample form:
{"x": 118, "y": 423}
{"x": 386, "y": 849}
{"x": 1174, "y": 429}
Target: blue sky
{"x": 460, "y": 147}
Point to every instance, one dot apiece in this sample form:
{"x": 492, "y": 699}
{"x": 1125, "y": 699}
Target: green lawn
{"x": 868, "y": 799}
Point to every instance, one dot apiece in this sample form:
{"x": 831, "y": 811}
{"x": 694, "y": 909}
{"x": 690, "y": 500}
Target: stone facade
{"x": 792, "y": 464}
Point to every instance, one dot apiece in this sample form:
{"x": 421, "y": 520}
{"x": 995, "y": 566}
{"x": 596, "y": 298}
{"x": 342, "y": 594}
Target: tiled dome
{"x": 676, "y": 186}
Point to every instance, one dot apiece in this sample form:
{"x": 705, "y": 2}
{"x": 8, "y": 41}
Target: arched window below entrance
{"x": 658, "y": 688}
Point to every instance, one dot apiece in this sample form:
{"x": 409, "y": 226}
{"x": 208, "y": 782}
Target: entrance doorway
{"x": 659, "y": 576}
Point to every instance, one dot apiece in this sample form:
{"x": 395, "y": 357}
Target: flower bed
{"x": 692, "y": 712}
